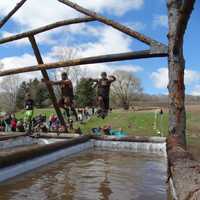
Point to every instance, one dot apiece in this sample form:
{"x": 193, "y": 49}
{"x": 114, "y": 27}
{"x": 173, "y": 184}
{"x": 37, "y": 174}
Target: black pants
{"x": 104, "y": 102}
{"x": 67, "y": 103}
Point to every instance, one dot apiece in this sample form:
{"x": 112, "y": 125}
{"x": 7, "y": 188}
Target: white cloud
{"x": 109, "y": 41}
{"x": 18, "y": 61}
{"x": 22, "y": 61}
{"x": 160, "y": 77}
{"x": 106, "y": 41}
{"x": 96, "y": 69}
{"x": 191, "y": 76}
{"x": 129, "y": 68}
{"x": 196, "y": 90}
{"x": 34, "y": 14}
{"x": 160, "y": 20}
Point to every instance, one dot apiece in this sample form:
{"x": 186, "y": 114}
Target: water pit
{"x": 93, "y": 174}
{"x": 86, "y": 168}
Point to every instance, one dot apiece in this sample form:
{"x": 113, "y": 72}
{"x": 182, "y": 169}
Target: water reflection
{"x": 95, "y": 175}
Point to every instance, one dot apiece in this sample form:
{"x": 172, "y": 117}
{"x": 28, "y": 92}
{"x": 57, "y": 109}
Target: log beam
{"x": 116, "y": 25}
{"x": 11, "y": 13}
{"x": 46, "y": 77}
{"x": 46, "y": 28}
{"x": 87, "y": 60}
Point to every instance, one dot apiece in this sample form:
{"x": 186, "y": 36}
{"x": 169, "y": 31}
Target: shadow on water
{"x": 95, "y": 175}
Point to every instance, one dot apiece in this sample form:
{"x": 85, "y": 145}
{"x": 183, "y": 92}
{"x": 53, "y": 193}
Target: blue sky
{"x": 147, "y": 16}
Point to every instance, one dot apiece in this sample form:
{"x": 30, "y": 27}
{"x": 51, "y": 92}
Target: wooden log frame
{"x": 178, "y": 15}
{"x": 46, "y": 28}
{"x": 147, "y": 40}
{"x": 11, "y": 13}
{"x": 87, "y": 60}
{"x": 46, "y": 77}
{"x": 157, "y": 49}
{"x": 183, "y": 169}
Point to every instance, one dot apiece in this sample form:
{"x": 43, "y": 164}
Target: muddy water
{"x": 93, "y": 175}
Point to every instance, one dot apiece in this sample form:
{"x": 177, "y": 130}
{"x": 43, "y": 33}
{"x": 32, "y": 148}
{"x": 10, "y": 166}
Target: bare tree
{"x": 9, "y": 88}
{"x": 126, "y": 86}
{"x": 68, "y": 53}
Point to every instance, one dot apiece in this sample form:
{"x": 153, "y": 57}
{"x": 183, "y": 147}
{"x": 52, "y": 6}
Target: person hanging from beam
{"x": 67, "y": 95}
{"x": 29, "y": 108}
{"x": 103, "y": 90}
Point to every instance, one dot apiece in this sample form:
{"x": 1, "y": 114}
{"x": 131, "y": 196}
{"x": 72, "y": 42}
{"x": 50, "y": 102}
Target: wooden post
{"x": 178, "y": 19}
{"x": 46, "y": 77}
{"x": 11, "y": 13}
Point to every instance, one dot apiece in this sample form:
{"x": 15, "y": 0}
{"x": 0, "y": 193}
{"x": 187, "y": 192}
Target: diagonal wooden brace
{"x": 11, "y": 13}
{"x": 45, "y": 28}
{"x": 46, "y": 77}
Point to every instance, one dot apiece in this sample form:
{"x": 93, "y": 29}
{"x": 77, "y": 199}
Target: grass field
{"x": 140, "y": 124}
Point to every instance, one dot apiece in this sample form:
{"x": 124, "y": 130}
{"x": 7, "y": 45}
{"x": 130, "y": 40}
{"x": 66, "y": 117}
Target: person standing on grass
{"x": 29, "y": 108}
{"x": 67, "y": 95}
{"x": 7, "y": 121}
{"x": 13, "y": 124}
{"x": 103, "y": 90}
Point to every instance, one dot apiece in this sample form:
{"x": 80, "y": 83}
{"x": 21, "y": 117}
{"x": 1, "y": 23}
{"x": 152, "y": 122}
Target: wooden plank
{"x": 46, "y": 28}
{"x": 11, "y": 13}
{"x": 87, "y": 60}
{"x": 46, "y": 77}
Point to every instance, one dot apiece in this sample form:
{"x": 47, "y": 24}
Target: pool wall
{"x": 21, "y": 161}
{"x": 183, "y": 170}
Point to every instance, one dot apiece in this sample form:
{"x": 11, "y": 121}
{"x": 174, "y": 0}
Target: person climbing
{"x": 103, "y": 89}
{"x": 67, "y": 95}
{"x": 29, "y": 108}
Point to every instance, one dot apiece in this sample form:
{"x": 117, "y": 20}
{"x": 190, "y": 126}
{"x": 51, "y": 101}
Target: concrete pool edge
{"x": 16, "y": 163}
{"x": 13, "y": 158}
{"x": 181, "y": 165}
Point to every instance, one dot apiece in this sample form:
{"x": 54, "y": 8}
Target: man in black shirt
{"x": 103, "y": 91}
{"x": 67, "y": 99}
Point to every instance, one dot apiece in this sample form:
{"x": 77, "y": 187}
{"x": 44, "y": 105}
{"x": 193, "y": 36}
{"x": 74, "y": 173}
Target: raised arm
{"x": 112, "y": 79}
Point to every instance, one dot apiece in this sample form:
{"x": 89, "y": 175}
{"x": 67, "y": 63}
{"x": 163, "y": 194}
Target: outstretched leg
{"x": 103, "y": 107}
{"x": 74, "y": 112}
